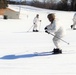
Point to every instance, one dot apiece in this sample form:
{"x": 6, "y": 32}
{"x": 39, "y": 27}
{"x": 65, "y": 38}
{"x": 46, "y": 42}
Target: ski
{"x": 45, "y": 53}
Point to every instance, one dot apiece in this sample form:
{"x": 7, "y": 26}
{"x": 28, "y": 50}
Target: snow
{"x": 19, "y": 45}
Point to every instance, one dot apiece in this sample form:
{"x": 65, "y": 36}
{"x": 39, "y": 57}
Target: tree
{"x": 63, "y": 5}
{"x": 3, "y": 4}
{"x": 64, "y": 1}
{"x": 49, "y": 4}
{"x": 73, "y": 4}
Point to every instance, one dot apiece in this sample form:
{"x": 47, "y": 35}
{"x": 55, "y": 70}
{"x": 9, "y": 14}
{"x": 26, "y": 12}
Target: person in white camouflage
{"x": 57, "y": 30}
{"x": 35, "y": 22}
{"x": 74, "y": 22}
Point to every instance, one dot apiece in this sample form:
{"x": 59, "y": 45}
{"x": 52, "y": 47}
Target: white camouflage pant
{"x": 56, "y": 40}
{"x": 35, "y": 27}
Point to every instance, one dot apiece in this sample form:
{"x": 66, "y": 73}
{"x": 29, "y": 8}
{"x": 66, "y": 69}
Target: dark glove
{"x": 45, "y": 28}
{"x": 47, "y": 32}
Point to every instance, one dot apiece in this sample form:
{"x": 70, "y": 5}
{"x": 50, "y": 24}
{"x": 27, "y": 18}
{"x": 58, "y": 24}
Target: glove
{"x": 47, "y": 32}
{"x": 45, "y": 28}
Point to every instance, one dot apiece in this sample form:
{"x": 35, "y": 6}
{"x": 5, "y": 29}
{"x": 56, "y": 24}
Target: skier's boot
{"x": 37, "y": 31}
{"x": 74, "y": 28}
{"x": 34, "y": 30}
{"x": 57, "y": 51}
{"x": 71, "y": 26}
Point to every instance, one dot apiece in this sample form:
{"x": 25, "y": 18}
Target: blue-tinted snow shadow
{"x": 10, "y": 57}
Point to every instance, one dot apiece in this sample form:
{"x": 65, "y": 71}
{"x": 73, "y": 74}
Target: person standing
{"x": 57, "y": 30}
{"x": 35, "y": 22}
{"x": 74, "y": 22}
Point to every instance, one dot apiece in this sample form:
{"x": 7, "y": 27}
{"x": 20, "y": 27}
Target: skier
{"x": 35, "y": 22}
{"x": 57, "y": 30}
{"x": 74, "y": 22}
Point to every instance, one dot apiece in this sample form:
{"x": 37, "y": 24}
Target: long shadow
{"x": 10, "y": 57}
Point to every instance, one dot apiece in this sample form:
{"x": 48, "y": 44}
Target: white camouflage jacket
{"x": 56, "y": 28}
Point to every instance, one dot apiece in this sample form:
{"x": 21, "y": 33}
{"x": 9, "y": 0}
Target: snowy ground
{"x": 18, "y": 47}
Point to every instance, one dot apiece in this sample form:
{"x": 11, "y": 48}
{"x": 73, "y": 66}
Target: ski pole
{"x": 30, "y": 28}
{"x": 59, "y": 38}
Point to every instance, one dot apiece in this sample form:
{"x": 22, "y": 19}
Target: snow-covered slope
{"x": 18, "y": 47}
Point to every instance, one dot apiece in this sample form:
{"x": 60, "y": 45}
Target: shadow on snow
{"x": 10, "y": 57}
